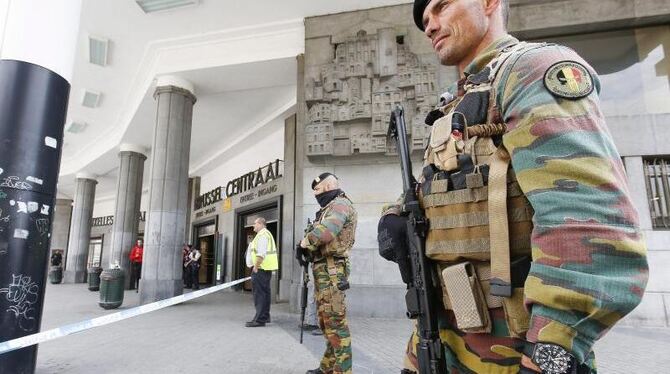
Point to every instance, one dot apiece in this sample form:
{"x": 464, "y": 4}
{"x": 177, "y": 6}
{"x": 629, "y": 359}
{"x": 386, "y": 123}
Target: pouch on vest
{"x": 445, "y": 146}
{"x": 466, "y": 298}
{"x": 459, "y": 219}
{"x": 344, "y": 241}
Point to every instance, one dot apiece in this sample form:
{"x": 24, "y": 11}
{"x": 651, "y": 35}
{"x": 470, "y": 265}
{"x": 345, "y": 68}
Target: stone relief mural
{"x": 350, "y": 100}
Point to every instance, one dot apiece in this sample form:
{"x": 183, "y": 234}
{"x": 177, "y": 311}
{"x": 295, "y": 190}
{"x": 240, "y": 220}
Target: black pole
{"x": 33, "y": 107}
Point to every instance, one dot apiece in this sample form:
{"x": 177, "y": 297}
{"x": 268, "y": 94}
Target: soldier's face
{"x": 455, "y": 28}
{"x": 320, "y": 188}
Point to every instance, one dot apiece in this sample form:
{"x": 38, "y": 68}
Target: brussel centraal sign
{"x": 254, "y": 179}
{"x": 211, "y": 197}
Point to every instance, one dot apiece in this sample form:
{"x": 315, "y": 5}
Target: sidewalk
{"x": 207, "y": 335}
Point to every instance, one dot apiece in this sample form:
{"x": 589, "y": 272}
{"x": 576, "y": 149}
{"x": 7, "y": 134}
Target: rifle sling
{"x": 501, "y": 279}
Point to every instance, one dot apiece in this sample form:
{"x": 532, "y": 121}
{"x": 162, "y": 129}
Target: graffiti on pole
{"x": 22, "y": 295}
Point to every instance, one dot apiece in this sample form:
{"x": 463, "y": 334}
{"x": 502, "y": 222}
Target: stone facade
{"x": 349, "y": 100}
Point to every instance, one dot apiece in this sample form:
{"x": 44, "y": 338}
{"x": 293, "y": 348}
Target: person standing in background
{"x": 264, "y": 259}
{"x": 193, "y": 265}
{"x": 135, "y": 256}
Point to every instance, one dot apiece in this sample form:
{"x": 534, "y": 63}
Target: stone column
{"x": 80, "y": 229}
{"x": 168, "y": 192}
{"x": 127, "y": 209}
{"x": 60, "y": 230}
{"x": 193, "y": 193}
{"x": 288, "y": 262}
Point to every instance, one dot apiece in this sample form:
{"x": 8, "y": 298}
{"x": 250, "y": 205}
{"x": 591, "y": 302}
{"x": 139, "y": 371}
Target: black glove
{"x": 393, "y": 244}
{"x": 301, "y": 255}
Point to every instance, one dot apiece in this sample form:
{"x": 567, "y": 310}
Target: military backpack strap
{"x": 501, "y": 278}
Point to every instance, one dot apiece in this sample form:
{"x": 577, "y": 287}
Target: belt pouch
{"x": 466, "y": 297}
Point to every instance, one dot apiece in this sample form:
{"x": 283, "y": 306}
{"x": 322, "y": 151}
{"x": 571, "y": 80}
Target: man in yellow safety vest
{"x": 264, "y": 259}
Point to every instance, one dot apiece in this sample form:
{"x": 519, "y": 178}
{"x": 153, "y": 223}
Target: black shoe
{"x": 316, "y": 332}
{"x": 254, "y": 324}
{"x": 310, "y": 327}
{"x": 315, "y": 371}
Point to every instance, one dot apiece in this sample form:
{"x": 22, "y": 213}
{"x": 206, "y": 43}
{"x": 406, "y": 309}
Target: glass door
{"x": 94, "y": 252}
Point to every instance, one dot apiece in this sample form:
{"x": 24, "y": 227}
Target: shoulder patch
{"x": 569, "y": 80}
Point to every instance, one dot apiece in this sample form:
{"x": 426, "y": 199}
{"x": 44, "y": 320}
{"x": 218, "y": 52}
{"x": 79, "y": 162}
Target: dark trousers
{"x": 260, "y": 283}
{"x": 135, "y": 275}
{"x": 187, "y": 277}
{"x": 195, "y": 276}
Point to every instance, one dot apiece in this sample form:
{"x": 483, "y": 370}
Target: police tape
{"x": 73, "y": 328}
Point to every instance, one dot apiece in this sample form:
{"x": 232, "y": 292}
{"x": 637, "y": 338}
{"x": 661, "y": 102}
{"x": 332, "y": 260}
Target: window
{"x": 657, "y": 179}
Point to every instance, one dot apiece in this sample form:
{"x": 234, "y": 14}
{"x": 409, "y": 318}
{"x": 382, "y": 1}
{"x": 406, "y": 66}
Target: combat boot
{"x": 317, "y": 371}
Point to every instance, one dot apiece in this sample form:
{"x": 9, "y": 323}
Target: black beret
{"x": 419, "y": 7}
{"x": 321, "y": 177}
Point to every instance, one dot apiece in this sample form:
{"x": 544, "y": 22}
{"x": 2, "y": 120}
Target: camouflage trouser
{"x": 331, "y": 310}
{"x": 468, "y": 353}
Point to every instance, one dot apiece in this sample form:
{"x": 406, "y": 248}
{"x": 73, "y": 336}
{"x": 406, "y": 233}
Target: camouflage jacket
{"x": 333, "y": 234}
{"x": 589, "y": 257}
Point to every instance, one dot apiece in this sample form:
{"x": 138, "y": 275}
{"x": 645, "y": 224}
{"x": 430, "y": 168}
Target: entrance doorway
{"x": 206, "y": 247}
{"x": 95, "y": 252}
{"x": 205, "y": 242}
{"x": 246, "y": 235}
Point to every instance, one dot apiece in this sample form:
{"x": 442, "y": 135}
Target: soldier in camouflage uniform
{"x": 535, "y": 109}
{"x": 329, "y": 242}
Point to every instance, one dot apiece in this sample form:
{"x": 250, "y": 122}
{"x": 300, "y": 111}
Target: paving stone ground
{"x": 207, "y": 335}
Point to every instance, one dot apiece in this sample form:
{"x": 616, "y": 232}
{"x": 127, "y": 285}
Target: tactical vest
{"x": 480, "y": 221}
{"x": 344, "y": 241}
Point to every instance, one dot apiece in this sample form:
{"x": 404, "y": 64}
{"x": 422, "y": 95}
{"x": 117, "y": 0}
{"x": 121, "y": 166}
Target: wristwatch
{"x": 553, "y": 359}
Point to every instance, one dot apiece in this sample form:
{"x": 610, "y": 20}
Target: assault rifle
{"x": 421, "y": 290}
{"x": 304, "y": 258}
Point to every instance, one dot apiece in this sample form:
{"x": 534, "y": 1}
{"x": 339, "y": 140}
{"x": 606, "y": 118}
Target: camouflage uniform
{"x": 589, "y": 265}
{"x": 331, "y": 239}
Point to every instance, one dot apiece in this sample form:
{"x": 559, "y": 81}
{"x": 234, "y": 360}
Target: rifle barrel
{"x": 400, "y": 134}
{"x": 421, "y": 292}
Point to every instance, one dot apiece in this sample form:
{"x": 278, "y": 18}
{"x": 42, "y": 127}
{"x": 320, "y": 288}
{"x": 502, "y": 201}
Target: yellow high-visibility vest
{"x": 271, "y": 260}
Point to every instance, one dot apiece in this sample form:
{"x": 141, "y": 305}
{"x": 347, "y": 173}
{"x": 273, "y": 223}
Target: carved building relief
{"x": 349, "y": 101}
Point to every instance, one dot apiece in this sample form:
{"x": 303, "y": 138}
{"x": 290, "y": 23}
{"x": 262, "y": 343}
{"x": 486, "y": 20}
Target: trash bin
{"x": 111, "y": 288}
{"x": 94, "y": 278}
{"x": 56, "y": 274}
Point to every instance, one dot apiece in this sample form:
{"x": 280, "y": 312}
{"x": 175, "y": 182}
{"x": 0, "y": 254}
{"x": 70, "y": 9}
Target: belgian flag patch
{"x": 569, "y": 80}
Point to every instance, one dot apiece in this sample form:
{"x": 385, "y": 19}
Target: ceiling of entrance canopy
{"x": 238, "y": 54}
